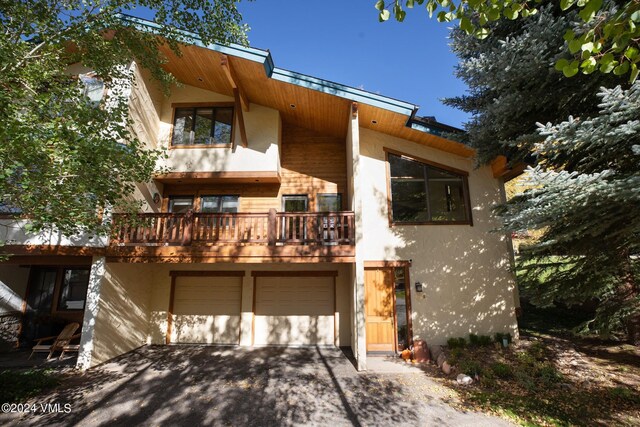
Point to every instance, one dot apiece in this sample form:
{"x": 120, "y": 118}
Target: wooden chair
{"x": 61, "y": 342}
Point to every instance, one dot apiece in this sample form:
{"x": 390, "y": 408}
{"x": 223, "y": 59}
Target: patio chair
{"x": 62, "y": 342}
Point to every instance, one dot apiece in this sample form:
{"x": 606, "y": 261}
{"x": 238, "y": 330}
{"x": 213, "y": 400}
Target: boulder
{"x": 464, "y": 379}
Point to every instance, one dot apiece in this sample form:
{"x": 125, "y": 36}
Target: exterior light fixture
{"x": 156, "y": 198}
{"x": 418, "y": 287}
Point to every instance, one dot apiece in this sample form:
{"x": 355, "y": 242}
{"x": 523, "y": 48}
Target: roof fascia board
{"x": 245, "y": 52}
{"x": 347, "y": 92}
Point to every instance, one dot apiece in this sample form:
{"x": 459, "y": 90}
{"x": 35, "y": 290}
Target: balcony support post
{"x": 272, "y": 227}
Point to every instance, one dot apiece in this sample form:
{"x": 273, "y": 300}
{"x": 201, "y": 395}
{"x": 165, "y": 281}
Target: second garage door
{"x": 294, "y": 311}
{"x": 206, "y": 310}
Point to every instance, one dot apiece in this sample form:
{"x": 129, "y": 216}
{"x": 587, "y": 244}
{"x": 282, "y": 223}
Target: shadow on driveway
{"x": 199, "y": 385}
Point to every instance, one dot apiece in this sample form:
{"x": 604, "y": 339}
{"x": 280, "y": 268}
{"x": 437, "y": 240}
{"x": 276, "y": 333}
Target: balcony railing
{"x": 272, "y": 228}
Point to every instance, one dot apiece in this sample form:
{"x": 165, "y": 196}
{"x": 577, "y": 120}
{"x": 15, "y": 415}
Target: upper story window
{"x": 180, "y": 204}
{"x": 208, "y": 204}
{"x": 202, "y": 126}
{"x": 219, "y": 204}
{"x": 329, "y": 202}
{"x": 425, "y": 194}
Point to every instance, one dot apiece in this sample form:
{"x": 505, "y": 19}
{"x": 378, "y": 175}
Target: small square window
{"x": 180, "y": 204}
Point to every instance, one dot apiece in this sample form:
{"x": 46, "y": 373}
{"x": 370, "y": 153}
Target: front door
{"x": 379, "y": 303}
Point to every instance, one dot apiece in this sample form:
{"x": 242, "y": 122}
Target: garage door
{"x": 206, "y": 310}
{"x": 294, "y": 311}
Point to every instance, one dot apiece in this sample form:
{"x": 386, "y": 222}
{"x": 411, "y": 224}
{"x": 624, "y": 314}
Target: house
{"x": 291, "y": 211}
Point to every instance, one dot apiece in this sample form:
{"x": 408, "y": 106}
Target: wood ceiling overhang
{"x": 250, "y": 76}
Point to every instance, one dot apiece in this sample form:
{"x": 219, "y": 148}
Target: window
{"x": 329, "y": 202}
{"x": 93, "y": 88}
{"x": 74, "y": 289}
{"x": 222, "y": 204}
{"x": 202, "y": 126}
{"x": 180, "y": 204}
{"x": 295, "y": 203}
{"x": 422, "y": 193}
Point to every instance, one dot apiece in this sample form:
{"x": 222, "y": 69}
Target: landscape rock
{"x": 464, "y": 379}
{"x": 436, "y": 350}
{"x": 446, "y": 368}
{"x": 441, "y": 359}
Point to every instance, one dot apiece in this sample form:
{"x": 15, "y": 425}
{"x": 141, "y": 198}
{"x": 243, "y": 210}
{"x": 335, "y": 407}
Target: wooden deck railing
{"x": 272, "y": 228}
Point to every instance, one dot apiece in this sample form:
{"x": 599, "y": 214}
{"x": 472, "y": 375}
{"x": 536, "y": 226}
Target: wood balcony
{"x": 232, "y": 235}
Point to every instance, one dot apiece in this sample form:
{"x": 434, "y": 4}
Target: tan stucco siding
{"x": 262, "y": 128}
{"x": 145, "y": 104}
{"x": 122, "y": 319}
{"x": 464, "y": 269}
{"x": 161, "y": 290}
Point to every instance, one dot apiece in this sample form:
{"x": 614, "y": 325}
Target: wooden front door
{"x": 379, "y": 309}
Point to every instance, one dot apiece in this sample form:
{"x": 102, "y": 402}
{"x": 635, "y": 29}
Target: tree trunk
{"x": 631, "y": 292}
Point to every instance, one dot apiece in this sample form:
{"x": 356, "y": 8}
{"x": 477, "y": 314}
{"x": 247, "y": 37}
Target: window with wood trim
{"x": 202, "y": 126}
{"x": 219, "y": 204}
{"x": 425, "y": 194}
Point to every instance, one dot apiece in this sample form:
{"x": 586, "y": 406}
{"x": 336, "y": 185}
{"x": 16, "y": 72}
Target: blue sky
{"x": 344, "y": 42}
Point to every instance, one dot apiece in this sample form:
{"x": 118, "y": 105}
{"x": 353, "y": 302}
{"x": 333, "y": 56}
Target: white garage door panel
{"x": 294, "y": 311}
{"x": 206, "y": 310}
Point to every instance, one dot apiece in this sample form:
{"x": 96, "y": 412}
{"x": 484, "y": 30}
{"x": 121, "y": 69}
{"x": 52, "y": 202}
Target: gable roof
{"x": 304, "y": 100}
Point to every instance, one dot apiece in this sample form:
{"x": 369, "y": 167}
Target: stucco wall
{"x": 464, "y": 269}
{"x": 122, "y": 319}
{"x": 14, "y": 232}
{"x": 162, "y": 286}
{"x": 262, "y": 127}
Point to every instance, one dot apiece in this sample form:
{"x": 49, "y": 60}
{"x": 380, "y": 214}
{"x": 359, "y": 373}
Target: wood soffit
{"x": 247, "y": 82}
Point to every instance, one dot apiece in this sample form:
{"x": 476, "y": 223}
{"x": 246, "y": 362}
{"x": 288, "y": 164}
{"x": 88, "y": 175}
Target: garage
{"x": 206, "y": 310}
{"x": 297, "y": 309}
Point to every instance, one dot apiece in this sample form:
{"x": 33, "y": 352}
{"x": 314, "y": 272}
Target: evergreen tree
{"x": 584, "y": 197}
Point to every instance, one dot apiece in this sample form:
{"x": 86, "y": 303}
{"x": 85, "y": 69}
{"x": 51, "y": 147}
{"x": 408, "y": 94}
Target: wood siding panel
{"x": 312, "y": 163}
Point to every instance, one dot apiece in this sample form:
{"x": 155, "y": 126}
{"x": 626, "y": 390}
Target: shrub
{"x": 502, "y": 370}
{"x": 470, "y": 367}
{"x": 625, "y": 394}
{"x": 474, "y": 340}
{"x": 548, "y": 374}
{"x": 484, "y": 340}
{"x": 524, "y": 379}
{"x": 455, "y": 355}
{"x": 456, "y": 343}
{"x": 537, "y": 351}
{"x": 20, "y": 385}
{"x": 526, "y": 359}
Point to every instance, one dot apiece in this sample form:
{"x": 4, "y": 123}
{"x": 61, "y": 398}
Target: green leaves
{"x": 610, "y": 32}
{"x": 63, "y": 159}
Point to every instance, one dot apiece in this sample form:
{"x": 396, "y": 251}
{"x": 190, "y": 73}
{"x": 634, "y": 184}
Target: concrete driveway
{"x": 196, "y": 385}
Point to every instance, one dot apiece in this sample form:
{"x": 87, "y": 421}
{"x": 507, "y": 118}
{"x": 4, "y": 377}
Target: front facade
{"x": 289, "y": 211}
